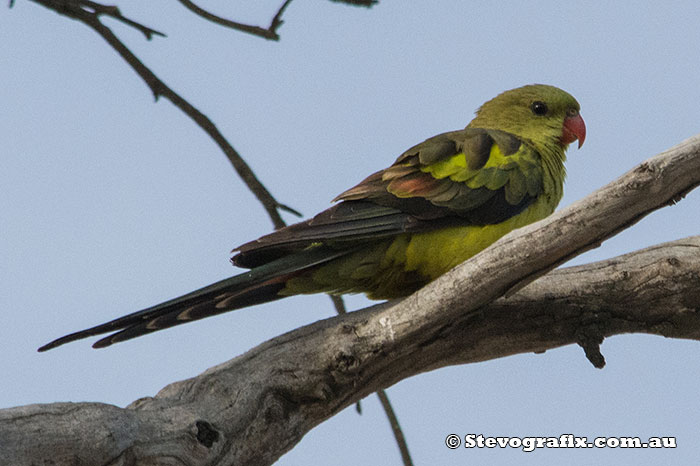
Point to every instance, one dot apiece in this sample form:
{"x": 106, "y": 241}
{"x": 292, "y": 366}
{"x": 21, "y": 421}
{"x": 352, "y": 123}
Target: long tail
{"x": 259, "y": 285}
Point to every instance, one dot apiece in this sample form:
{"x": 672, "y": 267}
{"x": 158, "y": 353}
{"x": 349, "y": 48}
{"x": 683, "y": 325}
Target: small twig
{"x": 365, "y": 3}
{"x": 277, "y": 19}
{"x": 159, "y": 88}
{"x": 113, "y": 12}
{"x": 291, "y": 210}
{"x": 339, "y": 304}
{"x": 269, "y": 33}
{"x": 395, "y": 427}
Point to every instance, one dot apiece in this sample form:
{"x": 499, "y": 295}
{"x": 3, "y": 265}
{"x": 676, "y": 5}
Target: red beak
{"x": 574, "y": 128}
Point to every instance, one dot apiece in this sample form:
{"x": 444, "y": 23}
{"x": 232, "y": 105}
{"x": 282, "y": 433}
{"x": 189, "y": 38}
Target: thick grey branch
{"x": 255, "y": 407}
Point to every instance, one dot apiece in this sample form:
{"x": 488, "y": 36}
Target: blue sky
{"x": 111, "y": 203}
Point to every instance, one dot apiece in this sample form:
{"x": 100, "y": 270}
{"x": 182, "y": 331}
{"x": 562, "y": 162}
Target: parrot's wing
{"x": 467, "y": 177}
{"x": 343, "y": 226}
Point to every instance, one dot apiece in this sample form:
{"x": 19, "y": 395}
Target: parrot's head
{"x": 545, "y": 115}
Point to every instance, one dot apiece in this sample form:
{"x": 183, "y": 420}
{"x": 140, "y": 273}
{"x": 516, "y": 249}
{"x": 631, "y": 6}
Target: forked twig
{"x": 269, "y": 33}
{"x": 113, "y": 12}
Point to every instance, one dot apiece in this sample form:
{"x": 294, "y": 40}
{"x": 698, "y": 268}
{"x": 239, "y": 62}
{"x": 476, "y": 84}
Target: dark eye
{"x": 539, "y": 108}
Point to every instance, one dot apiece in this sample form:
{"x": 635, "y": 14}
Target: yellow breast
{"x": 434, "y": 253}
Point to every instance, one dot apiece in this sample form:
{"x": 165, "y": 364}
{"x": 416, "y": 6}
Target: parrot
{"x": 441, "y": 202}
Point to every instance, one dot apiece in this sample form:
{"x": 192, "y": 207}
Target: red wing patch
{"x": 416, "y": 184}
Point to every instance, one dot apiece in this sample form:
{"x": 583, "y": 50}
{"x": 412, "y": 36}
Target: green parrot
{"x": 440, "y": 203}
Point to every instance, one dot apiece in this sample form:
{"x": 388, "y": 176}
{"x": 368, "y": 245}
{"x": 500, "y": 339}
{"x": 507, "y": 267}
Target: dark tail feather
{"x": 258, "y": 294}
{"x": 256, "y": 286}
{"x": 193, "y": 306}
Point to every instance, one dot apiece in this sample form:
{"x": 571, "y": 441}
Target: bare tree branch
{"x": 252, "y": 409}
{"x": 395, "y": 427}
{"x": 72, "y": 9}
{"x": 269, "y": 33}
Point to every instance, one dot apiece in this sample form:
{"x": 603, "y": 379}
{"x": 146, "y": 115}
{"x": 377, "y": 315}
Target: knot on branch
{"x": 206, "y": 433}
{"x": 345, "y": 362}
{"x": 590, "y": 337}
